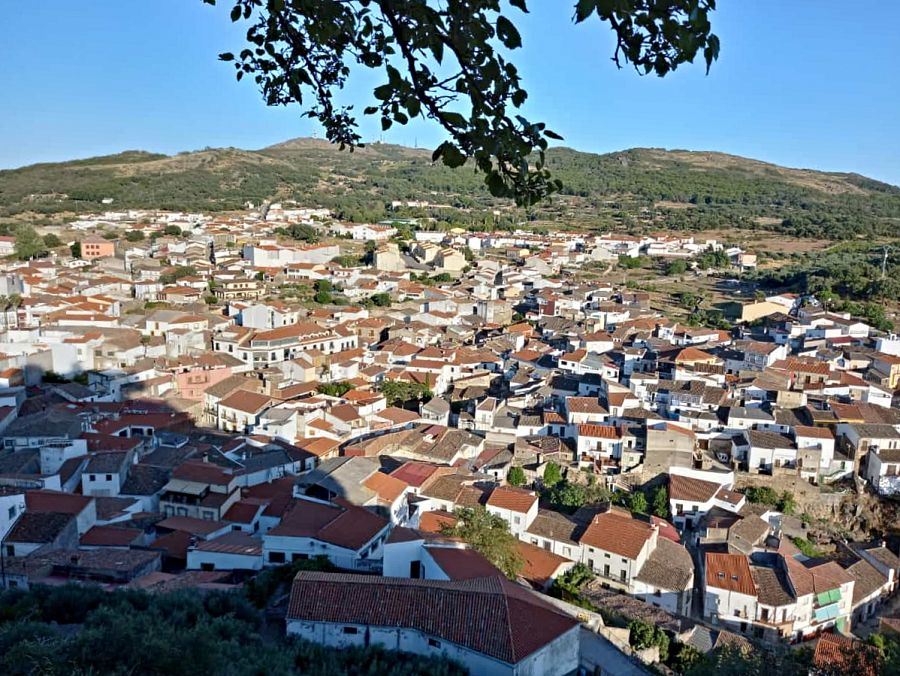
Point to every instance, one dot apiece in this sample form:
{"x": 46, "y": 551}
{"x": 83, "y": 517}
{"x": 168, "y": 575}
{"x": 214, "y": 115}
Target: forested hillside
{"x": 636, "y": 189}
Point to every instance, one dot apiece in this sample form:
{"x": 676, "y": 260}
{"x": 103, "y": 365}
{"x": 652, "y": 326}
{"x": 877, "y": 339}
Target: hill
{"x": 639, "y": 189}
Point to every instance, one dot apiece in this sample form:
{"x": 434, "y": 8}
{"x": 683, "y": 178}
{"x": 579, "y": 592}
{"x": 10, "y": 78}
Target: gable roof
{"x": 513, "y": 499}
{"x": 730, "y": 572}
{"x": 489, "y": 615}
{"x": 617, "y": 532}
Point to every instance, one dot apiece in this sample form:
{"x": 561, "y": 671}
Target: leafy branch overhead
{"x": 446, "y": 61}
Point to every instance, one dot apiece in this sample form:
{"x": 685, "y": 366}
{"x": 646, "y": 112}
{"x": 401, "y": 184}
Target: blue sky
{"x": 804, "y": 83}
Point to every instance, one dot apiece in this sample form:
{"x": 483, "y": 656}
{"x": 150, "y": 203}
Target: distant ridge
{"x": 633, "y": 188}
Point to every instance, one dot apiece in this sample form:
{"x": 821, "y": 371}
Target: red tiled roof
{"x": 730, "y": 572}
{"x": 690, "y": 489}
{"x": 434, "y": 522}
{"x": 56, "y": 501}
{"x": 599, "y": 431}
{"x": 110, "y": 536}
{"x": 489, "y": 615}
{"x": 617, "y": 532}
{"x": 461, "y": 563}
{"x": 513, "y": 499}
{"x": 839, "y": 654}
{"x": 349, "y": 527}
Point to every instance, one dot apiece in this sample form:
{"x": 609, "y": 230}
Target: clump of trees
{"x": 84, "y": 629}
{"x": 28, "y": 243}
{"x": 179, "y": 272}
{"x": 784, "y": 502}
{"x": 338, "y": 389}
{"x": 399, "y": 392}
{"x": 568, "y": 496}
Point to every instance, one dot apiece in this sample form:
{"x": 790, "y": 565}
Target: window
{"x": 276, "y": 557}
{"x": 109, "y": 477}
{"x": 92, "y": 477}
{"x": 12, "y": 512}
{"x": 623, "y": 575}
{"x": 606, "y": 556}
{"x": 434, "y": 643}
{"x": 207, "y": 566}
{"x": 351, "y": 630}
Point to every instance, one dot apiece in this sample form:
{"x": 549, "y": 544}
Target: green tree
{"x": 76, "y": 250}
{"x": 449, "y": 64}
{"x": 51, "y": 241}
{"x": 552, "y": 474}
{"x": 676, "y": 267}
{"x": 28, "y": 243}
{"x": 323, "y": 292}
{"x": 489, "y": 535}
{"x": 643, "y": 635}
{"x": 568, "y": 586}
{"x": 638, "y": 502}
{"x": 172, "y": 231}
{"x": 787, "y": 503}
{"x": 135, "y": 235}
{"x": 629, "y": 263}
{"x": 516, "y": 476}
{"x": 179, "y": 272}
{"x": 338, "y": 389}
{"x": 661, "y": 502}
{"x": 303, "y": 233}
{"x": 399, "y": 392}
{"x": 381, "y": 299}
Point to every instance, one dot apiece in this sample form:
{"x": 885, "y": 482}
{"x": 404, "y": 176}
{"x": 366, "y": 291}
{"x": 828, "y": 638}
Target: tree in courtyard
{"x": 448, "y": 63}
{"x": 661, "y": 502}
{"x": 638, "y": 502}
{"x": 552, "y": 474}
{"x": 489, "y": 535}
{"x": 76, "y": 250}
{"x": 516, "y": 476}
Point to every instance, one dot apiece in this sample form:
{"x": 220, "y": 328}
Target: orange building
{"x": 94, "y": 246}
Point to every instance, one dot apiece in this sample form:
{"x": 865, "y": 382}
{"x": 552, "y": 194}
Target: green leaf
{"x": 226, "y": 56}
{"x": 584, "y": 9}
{"x": 454, "y": 119}
{"x": 453, "y": 157}
{"x": 520, "y": 4}
{"x": 385, "y": 123}
{"x": 553, "y": 135}
{"x": 235, "y": 12}
{"x": 507, "y": 33}
{"x": 383, "y": 92}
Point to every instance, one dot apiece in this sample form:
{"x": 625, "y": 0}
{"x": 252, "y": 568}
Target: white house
{"x": 231, "y": 551}
{"x": 492, "y": 626}
{"x": 516, "y": 506}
